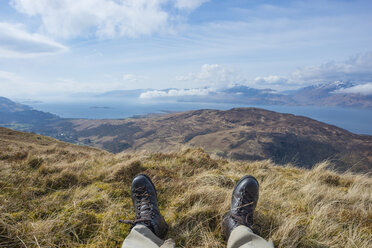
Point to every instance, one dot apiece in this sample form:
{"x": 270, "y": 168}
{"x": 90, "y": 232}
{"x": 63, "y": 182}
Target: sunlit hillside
{"x": 54, "y": 194}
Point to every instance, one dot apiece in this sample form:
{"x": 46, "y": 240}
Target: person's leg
{"x": 243, "y": 237}
{"x": 141, "y": 236}
{"x": 149, "y": 226}
{"x": 237, "y": 223}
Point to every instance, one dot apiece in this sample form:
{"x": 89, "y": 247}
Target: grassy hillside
{"x": 54, "y": 194}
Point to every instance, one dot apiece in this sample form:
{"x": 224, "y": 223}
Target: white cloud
{"x": 104, "y": 18}
{"x": 153, "y": 94}
{"x": 15, "y": 41}
{"x": 175, "y": 93}
{"x": 363, "y": 89}
{"x": 109, "y": 18}
{"x": 213, "y": 76}
{"x": 189, "y": 4}
{"x": 357, "y": 68}
{"x": 270, "y": 80}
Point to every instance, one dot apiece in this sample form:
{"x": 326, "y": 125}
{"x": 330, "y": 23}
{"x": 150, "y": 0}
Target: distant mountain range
{"x": 330, "y": 94}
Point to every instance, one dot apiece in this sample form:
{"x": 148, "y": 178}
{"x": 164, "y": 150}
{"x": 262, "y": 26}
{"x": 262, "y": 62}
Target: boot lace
{"x": 144, "y": 213}
{"x": 244, "y": 215}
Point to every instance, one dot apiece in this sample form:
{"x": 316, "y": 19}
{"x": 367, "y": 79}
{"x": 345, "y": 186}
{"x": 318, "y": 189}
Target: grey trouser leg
{"x": 243, "y": 237}
{"x": 142, "y": 237}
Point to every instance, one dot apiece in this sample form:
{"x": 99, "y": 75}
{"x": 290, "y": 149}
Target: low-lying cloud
{"x": 270, "y": 80}
{"x": 15, "y": 41}
{"x": 363, "y": 89}
{"x": 175, "y": 93}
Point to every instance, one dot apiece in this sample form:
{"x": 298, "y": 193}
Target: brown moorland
{"x": 239, "y": 134}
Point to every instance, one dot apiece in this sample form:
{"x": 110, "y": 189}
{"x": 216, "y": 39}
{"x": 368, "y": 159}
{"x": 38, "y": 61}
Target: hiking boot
{"x": 144, "y": 200}
{"x": 243, "y": 202}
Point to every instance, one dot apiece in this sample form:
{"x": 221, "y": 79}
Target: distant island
{"x": 100, "y": 107}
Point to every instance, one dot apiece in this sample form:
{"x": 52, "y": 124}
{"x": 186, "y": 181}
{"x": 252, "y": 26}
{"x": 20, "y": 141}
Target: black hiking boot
{"x": 144, "y": 200}
{"x": 243, "y": 202}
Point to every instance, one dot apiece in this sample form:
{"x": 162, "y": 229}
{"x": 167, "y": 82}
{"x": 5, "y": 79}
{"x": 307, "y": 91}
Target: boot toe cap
{"x": 141, "y": 181}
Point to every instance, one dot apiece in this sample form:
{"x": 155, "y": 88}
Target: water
{"x": 354, "y": 120}
{"x": 357, "y": 121}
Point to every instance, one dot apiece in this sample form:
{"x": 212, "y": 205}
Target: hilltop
{"x": 240, "y": 133}
{"x": 54, "y": 194}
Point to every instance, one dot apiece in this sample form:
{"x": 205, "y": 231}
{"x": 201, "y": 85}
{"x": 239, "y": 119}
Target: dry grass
{"x": 59, "y": 195}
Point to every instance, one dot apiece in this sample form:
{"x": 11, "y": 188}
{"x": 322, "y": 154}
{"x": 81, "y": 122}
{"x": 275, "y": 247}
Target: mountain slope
{"x": 242, "y": 133}
{"x": 54, "y": 194}
{"x": 23, "y": 117}
{"x": 8, "y": 106}
{"x": 328, "y": 95}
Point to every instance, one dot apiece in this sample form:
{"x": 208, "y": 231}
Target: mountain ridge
{"x": 240, "y": 133}
{"x": 8, "y": 106}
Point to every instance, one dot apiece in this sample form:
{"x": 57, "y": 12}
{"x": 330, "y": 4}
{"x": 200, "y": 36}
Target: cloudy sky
{"x": 56, "y": 47}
